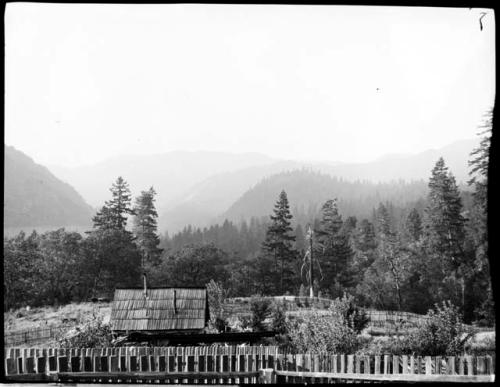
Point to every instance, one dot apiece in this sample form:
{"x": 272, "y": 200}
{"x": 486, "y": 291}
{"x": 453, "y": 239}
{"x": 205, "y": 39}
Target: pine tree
{"x": 278, "y": 242}
{"x": 365, "y": 244}
{"x": 414, "y": 225}
{"x": 444, "y": 231}
{"x": 444, "y": 223}
{"x": 390, "y": 252}
{"x": 334, "y": 250}
{"x": 145, "y": 226}
{"x": 365, "y": 236}
{"x": 113, "y": 214}
{"x": 477, "y": 226}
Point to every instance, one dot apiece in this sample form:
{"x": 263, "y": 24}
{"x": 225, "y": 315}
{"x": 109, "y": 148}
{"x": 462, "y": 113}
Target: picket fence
{"x": 233, "y": 364}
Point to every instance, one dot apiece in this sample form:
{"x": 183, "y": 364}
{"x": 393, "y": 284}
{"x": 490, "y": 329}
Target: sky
{"x": 87, "y": 82}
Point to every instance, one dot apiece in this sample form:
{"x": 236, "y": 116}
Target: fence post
{"x": 350, "y": 364}
{"x": 428, "y": 365}
{"x": 267, "y": 376}
{"x": 377, "y": 364}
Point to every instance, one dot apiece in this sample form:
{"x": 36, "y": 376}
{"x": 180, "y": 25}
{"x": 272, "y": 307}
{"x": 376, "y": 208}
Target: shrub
{"x": 334, "y": 332}
{"x": 216, "y": 297}
{"x": 239, "y": 324}
{"x": 481, "y": 347}
{"x": 261, "y": 309}
{"x": 355, "y": 317}
{"x": 92, "y": 334}
{"x": 279, "y": 324}
{"x": 320, "y": 333}
{"x": 443, "y": 333}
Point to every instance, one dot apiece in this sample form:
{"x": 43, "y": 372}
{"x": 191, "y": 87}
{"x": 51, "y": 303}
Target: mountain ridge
{"x": 206, "y": 199}
{"x": 34, "y": 197}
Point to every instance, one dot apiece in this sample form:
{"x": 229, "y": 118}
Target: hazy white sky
{"x": 88, "y": 82}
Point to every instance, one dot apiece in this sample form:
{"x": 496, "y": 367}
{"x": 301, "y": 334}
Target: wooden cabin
{"x": 159, "y": 312}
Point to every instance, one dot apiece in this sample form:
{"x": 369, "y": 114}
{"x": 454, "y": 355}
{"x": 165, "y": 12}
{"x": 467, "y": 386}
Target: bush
{"x": 321, "y": 333}
{"x": 443, "y": 333}
{"x": 261, "y": 309}
{"x": 280, "y": 324}
{"x": 333, "y": 332}
{"x": 481, "y": 347}
{"x": 216, "y": 297}
{"x": 93, "y": 334}
{"x": 239, "y": 324}
{"x": 355, "y": 317}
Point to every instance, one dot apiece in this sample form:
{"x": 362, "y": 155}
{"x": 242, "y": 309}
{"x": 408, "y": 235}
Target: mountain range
{"x": 202, "y": 187}
{"x": 35, "y": 198}
{"x": 212, "y": 199}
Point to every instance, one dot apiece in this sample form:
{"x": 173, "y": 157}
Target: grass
{"x": 75, "y": 313}
{"x": 72, "y": 314}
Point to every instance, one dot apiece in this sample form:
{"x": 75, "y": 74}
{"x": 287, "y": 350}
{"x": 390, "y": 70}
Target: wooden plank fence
{"x": 222, "y": 364}
{"x": 325, "y": 368}
{"x": 299, "y": 305}
{"x": 234, "y": 364}
{"x": 34, "y": 336}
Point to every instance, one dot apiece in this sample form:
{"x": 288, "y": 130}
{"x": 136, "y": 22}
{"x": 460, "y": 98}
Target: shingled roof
{"x": 132, "y": 312}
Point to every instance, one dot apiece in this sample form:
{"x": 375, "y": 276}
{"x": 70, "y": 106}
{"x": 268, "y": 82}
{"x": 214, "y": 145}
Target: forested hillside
{"x": 393, "y": 246}
{"x": 205, "y": 203}
{"x": 307, "y": 190}
{"x": 34, "y": 197}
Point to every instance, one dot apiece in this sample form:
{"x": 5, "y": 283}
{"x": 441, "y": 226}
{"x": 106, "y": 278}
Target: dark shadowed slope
{"x": 308, "y": 190}
{"x": 208, "y": 199}
{"x": 35, "y": 198}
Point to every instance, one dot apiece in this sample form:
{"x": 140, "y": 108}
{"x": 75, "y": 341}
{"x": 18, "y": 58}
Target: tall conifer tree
{"x": 334, "y": 251}
{"x": 113, "y": 214}
{"x": 278, "y": 242}
{"x": 444, "y": 229}
{"x": 145, "y": 226}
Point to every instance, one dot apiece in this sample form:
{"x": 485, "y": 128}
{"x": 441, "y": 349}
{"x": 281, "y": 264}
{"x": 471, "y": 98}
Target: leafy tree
{"x": 278, "y": 242}
{"x": 22, "y": 269}
{"x": 264, "y": 274}
{"x": 443, "y": 333}
{"x": 193, "y": 266}
{"x": 110, "y": 259}
{"x": 61, "y": 253}
{"x": 145, "y": 227}
{"x": 391, "y": 252}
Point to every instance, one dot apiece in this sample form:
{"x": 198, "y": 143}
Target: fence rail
{"x": 34, "y": 336}
{"x": 234, "y": 364}
{"x": 298, "y": 305}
